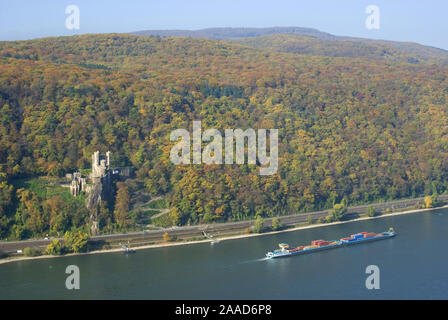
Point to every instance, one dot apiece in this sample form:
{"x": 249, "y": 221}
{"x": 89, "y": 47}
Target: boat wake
{"x": 254, "y": 260}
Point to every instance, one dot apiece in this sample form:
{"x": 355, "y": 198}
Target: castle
{"x": 100, "y": 187}
{"x": 100, "y": 170}
{"x": 101, "y": 184}
{"x": 101, "y": 180}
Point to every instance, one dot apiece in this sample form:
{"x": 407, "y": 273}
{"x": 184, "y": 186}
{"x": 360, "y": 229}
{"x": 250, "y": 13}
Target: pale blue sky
{"x": 420, "y": 21}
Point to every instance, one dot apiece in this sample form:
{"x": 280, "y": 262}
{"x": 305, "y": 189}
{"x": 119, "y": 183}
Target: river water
{"x": 413, "y": 265}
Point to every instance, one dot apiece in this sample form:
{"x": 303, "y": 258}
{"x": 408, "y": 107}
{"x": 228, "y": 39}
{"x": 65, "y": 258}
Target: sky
{"x": 424, "y": 22}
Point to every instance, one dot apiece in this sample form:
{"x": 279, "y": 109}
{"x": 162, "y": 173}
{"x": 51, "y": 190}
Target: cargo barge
{"x": 318, "y": 245}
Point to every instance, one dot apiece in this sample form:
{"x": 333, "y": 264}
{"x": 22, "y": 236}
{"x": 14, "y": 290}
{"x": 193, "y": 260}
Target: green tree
{"x": 337, "y": 212}
{"x": 6, "y": 197}
{"x": 370, "y": 211}
{"x": 76, "y": 241}
{"x": 55, "y": 248}
{"x": 310, "y": 219}
{"x": 258, "y": 225}
{"x": 121, "y": 211}
{"x": 276, "y": 224}
{"x": 435, "y": 199}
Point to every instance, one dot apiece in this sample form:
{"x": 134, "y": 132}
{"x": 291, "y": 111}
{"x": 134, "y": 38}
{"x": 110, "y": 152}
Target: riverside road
{"x": 217, "y": 228}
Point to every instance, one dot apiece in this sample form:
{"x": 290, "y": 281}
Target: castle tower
{"x": 100, "y": 164}
{"x": 108, "y": 159}
{"x": 101, "y": 179}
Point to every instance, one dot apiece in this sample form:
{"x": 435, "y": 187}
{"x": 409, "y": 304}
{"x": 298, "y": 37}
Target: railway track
{"x": 216, "y": 229}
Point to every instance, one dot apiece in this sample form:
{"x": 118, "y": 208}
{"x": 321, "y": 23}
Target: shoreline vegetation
{"x": 226, "y": 237}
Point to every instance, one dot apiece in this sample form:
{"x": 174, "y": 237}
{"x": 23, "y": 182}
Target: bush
{"x": 157, "y": 204}
{"x": 162, "y": 221}
{"x": 31, "y": 252}
{"x": 321, "y": 220}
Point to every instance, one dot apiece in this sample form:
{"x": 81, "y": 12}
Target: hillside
{"x": 357, "y": 129}
{"x": 315, "y": 42}
{"x": 374, "y": 50}
{"x": 235, "y": 33}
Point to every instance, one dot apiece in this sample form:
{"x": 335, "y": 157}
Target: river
{"x": 413, "y": 265}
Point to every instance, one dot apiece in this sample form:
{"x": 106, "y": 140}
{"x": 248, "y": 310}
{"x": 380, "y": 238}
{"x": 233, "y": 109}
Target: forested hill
{"x": 351, "y": 128}
{"x": 235, "y": 33}
{"x": 315, "y": 42}
{"x": 374, "y": 49}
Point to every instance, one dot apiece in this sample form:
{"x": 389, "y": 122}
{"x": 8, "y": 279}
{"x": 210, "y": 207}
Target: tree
{"x": 55, "y": 248}
{"x": 121, "y": 211}
{"x": 370, "y": 211}
{"x": 337, "y": 212}
{"x": 259, "y": 224}
{"x": 30, "y": 212}
{"x": 435, "y": 199}
{"x": 428, "y": 202}
{"x": 6, "y": 196}
{"x": 276, "y": 224}
{"x": 310, "y": 219}
{"x": 55, "y": 208}
{"x": 167, "y": 237}
{"x": 76, "y": 241}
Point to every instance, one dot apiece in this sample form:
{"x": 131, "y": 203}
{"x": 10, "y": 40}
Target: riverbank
{"x": 223, "y": 238}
